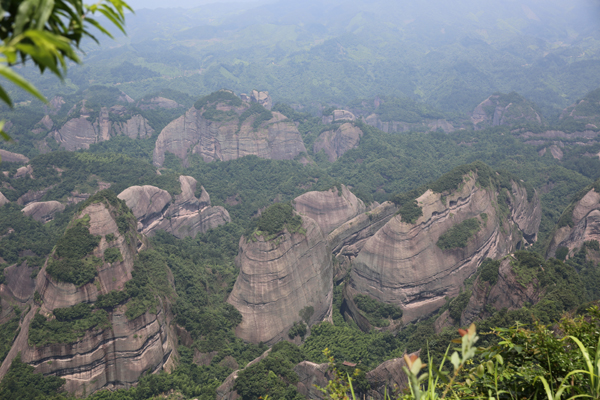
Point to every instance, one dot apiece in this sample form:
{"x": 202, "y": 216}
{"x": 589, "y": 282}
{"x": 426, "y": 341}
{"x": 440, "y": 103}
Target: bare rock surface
{"x": 23, "y": 172}
{"x": 225, "y": 140}
{"x": 278, "y": 279}
{"x": 3, "y": 200}
{"x": 585, "y": 225}
{"x": 261, "y": 98}
{"x": 137, "y": 127}
{"x": 401, "y": 264}
{"x": 18, "y": 285}
{"x": 388, "y": 377}
{"x": 7, "y": 156}
{"x": 401, "y": 126}
{"x": 114, "y": 357}
{"x": 43, "y": 211}
{"x": 31, "y": 196}
{"x": 336, "y": 143}
{"x": 183, "y": 216}
{"x": 310, "y": 375}
{"x": 75, "y": 134}
{"x": 331, "y": 208}
{"x": 507, "y": 293}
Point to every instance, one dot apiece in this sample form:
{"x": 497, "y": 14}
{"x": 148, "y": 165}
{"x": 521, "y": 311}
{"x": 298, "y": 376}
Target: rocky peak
{"x": 223, "y": 127}
{"x": 336, "y": 143}
{"x": 259, "y": 97}
{"x": 415, "y": 259}
{"x": 505, "y": 109}
{"x": 185, "y": 215}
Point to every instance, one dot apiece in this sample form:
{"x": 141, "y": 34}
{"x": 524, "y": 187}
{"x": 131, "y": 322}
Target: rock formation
{"x": 278, "y": 279}
{"x": 136, "y": 127}
{"x": 225, "y": 137}
{"x": 7, "y": 156}
{"x": 331, "y": 208}
{"x": 3, "y": 200}
{"x": 112, "y": 357}
{"x": 389, "y": 377}
{"x": 502, "y": 109}
{"x": 183, "y": 216}
{"x": 402, "y": 264}
{"x": 338, "y": 115}
{"x": 43, "y": 211}
{"x": 336, "y": 143}
{"x": 579, "y": 223}
{"x": 401, "y": 126}
{"x": 507, "y": 293}
{"x": 261, "y": 98}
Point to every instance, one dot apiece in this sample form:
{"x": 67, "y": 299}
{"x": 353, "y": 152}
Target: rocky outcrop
{"x": 7, "y": 156}
{"x": 330, "y": 208}
{"x": 402, "y": 264}
{"x": 31, "y": 196}
{"x": 261, "y": 98}
{"x": 426, "y": 125}
{"x": 113, "y": 357}
{"x": 225, "y": 390}
{"x": 336, "y": 143}
{"x": 278, "y": 279}
{"x": 311, "y": 375}
{"x": 337, "y": 116}
{"x": 183, "y": 216}
{"x": 507, "y": 293}
{"x": 24, "y": 171}
{"x": 136, "y": 127}
{"x": 77, "y": 133}
{"x": 581, "y": 224}
{"x": 3, "y": 200}
{"x": 389, "y": 377}
{"x": 43, "y": 211}
{"x": 502, "y": 109}
{"x": 228, "y": 138}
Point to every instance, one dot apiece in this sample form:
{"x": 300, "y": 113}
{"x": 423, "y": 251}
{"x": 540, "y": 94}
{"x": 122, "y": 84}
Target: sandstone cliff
{"x": 278, "y": 279}
{"x": 505, "y": 109}
{"x": 579, "y": 223}
{"x": 217, "y": 132}
{"x": 402, "y": 263}
{"x": 336, "y": 143}
{"x": 43, "y": 211}
{"x": 331, "y": 208}
{"x": 110, "y": 357}
{"x": 427, "y": 125}
{"x": 185, "y": 215}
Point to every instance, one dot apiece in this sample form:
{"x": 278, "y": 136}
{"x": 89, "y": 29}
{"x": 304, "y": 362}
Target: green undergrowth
{"x": 8, "y": 332}
{"x": 458, "y": 236}
{"x": 379, "y": 314}
{"x": 276, "y": 218}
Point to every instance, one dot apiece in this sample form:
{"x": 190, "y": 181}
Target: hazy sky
{"x": 139, "y": 4}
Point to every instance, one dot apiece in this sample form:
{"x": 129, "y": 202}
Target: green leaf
{"x": 455, "y": 360}
{"x": 21, "y": 82}
{"x": 5, "y": 98}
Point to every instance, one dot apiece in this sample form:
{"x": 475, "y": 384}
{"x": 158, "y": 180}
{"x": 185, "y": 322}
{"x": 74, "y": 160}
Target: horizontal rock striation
{"x": 402, "y": 264}
{"x": 43, "y": 211}
{"x": 279, "y": 278}
{"x": 183, "y": 216}
{"x": 330, "y": 208}
{"x": 229, "y": 138}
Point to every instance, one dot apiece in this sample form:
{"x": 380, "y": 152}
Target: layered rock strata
{"x": 114, "y": 357}
{"x": 278, "y": 279}
{"x": 43, "y": 211}
{"x": 185, "y": 215}
{"x": 335, "y": 143}
{"x": 583, "y": 224}
{"x": 402, "y": 264}
{"x": 228, "y": 138}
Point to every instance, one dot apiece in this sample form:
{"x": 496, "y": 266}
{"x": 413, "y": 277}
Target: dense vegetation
{"x": 279, "y": 216}
{"x": 459, "y": 235}
{"x": 377, "y": 313}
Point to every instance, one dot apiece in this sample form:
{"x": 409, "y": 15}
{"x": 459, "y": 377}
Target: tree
{"x": 48, "y": 33}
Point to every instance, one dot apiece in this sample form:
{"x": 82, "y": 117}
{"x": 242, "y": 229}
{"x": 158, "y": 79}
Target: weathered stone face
{"x": 401, "y": 264}
{"x": 155, "y": 209}
{"x": 586, "y": 225}
{"x": 3, "y": 200}
{"x": 7, "y": 156}
{"x": 43, "y": 211}
{"x": 278, "y": 279}
{"x": 336, "y": 143}
{"x": 227, "y": 140}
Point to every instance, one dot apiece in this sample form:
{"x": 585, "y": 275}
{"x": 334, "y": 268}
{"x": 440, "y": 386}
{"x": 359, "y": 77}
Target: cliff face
{"x": 43, "y": 211}
{"x": 7, "y": 156}
{"x": 104, "y": 358}
{"x": 329, "y": 209}
{"x": 336, "y": 143}
{"x": 507, "y": 293}
{"x": 503, "y": 109}
{"x": 225, "y": 137}
{"x": 278, "y": 279}
{"x": 402, "y": 264}
{"x": 401, "y": 126}
{"x": 183, "y": 216}
{"x": 81, "y": 132}
{"x": 581, "y": 223}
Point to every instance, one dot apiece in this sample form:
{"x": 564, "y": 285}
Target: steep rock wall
{"x": 278, "y": 279}
{"x": 225, "y": 140}
{"x": 336, "y": 143}
{"x": 402, "y": 264}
